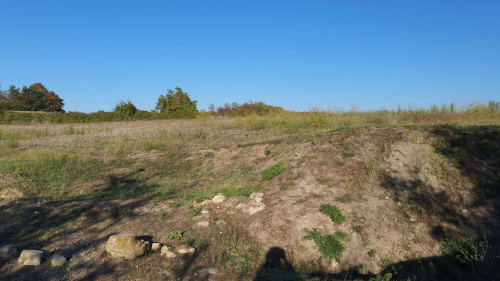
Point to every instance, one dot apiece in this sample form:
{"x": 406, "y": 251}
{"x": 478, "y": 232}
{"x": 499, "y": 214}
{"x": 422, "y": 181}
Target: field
{"x": 310, "y": 196}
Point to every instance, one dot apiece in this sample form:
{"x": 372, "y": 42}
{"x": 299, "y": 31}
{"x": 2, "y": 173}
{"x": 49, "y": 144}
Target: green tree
{"x": 125, "y": 108}
{"x": 177, "y": 101}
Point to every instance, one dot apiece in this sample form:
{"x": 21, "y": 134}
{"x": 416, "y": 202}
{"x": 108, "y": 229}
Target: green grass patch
{"x": 348, "y": 154}
{"x": 273, "y": 171}
{"x": 330, "y": 246}
{"x": 194, "y": 212}
{"x": 333, "y": 212}
{"x": 344, "y": 199}
{"x": 467, "y": 252}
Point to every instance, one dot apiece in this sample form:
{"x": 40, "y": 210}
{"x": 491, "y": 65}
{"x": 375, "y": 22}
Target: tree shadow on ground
{"x": 39, "y": 223}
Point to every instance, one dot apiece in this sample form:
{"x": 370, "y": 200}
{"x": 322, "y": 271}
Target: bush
{"x": 466, "y": 252}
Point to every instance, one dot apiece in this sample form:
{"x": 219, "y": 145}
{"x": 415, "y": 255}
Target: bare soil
{"x": 403, "y": 196}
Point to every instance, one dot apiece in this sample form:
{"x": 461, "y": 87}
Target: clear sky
{"x": 295, "y": 54}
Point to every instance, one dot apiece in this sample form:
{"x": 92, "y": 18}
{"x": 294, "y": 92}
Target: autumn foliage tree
{"x": 33, "y": 98}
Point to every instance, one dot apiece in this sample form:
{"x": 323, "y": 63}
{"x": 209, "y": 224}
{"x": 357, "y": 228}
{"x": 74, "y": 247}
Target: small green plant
{"x": 209, "y": 154}
{"x": 300, "y": 201}
{"x": 333, "y": 212}
{"x": 329, "y": 246}
{"x": 348, "y": 154}
{"x": 466, "y": 252}
{"x": 174, "y": 204}
{"x": 356, "y": 228}
{"x": 163, "y": 217}
{"x": 356, "y": 184}
{"x": 267, "y": 152}
{"x": 194, "y": 212}
{"x": 371, "y": 167}
{"x": 189, "y": 241}
{"x": 371, "y": 253}
{"x": 273, "y": 171}
{"x": 344, "y": 199}
{"x": 175, "y": 234}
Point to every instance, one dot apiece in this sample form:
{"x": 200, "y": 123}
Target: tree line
{"x": 174, "y": 104}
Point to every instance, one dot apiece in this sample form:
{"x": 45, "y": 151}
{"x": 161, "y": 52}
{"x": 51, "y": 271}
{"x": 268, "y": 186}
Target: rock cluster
{"x": 29, "y": 257}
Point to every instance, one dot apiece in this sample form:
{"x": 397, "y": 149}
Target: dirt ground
{"x": 404, "y": 193}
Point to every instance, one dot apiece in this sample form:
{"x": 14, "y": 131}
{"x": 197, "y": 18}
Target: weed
{"x": 344, "y": 199}
{"x": 356, "y": 228}
{"x": 188, "y": 241}
{"x": 328, "y": 245}
{"x": 333, "y": 212}
{"x": 267, "y": 152}
{"x": 300, "y": 201}
{"x": 175, "y": 234}
{"x": 174, "y": 205}
{"x": 371, "y": 253}
{"x": 466, "y": 252}
{"x": 323, "y": 180}
{"x": 273, "y": 171}
{"x": 338, "y": 161}
{"x": 354, "y": 185}
{"x": 209, "y": 154}
{"x": 371, "y": 167}
{"x": 163, "y": 217}
{"x": 348, "y": 154}
{"x": 194, "y": 212}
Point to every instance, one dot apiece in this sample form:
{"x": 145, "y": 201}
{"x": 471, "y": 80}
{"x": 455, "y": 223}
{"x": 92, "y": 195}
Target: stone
{"x": 57, "y": 260}
{"x": 170, "y": 255}
{"x": 219, "y": 198}
{"x": 8, "y": 251}
{"x": 155, "y": 247}
{"x": 31, "y": 257}
{"x": 164, "y": 250}
{"x": 185, "y": 249}
{"x": 203, "y": 223}
{"x": 126, "y": 246}
{"x": 205, "y": 211}
{"x": 254, "y": 205}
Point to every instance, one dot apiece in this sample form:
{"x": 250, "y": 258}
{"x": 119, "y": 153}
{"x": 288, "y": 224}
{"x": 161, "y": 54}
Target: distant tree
{"x": 34, "y": 98}
{"x": 175, "y": 101}
{"x": 125, "y": 108}
{"x": 211, "y": 107}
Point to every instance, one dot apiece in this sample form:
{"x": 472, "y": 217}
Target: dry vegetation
{"x": 409, "y": 194}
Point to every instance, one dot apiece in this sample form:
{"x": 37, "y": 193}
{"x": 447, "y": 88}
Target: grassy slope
{"x": 101, "y": 175}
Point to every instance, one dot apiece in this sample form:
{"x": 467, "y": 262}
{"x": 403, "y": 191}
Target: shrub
{"x": 273, "y": 171}
{"x": 466, "y": 252}
{"x": 333, "y": 212}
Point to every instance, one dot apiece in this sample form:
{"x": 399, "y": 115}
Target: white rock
{"x": 219, "y": 198}
{"x": 155, "y": 246}
{"x": 254, "y": 205}
{"x": 31, "y": 257}
{"x": 8, "y": 251}
{"x": 203, "y": 223}
{"x": 205, "y": 211}
{"x": 185, "y": 249}
{"x": 57, "y": 260}
{"x": 164, "y": 250}
{"x": 170, "y": 255}
{"x": 126, "y": 246}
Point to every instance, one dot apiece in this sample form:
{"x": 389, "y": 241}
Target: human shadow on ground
{"x": 465, "y": 220}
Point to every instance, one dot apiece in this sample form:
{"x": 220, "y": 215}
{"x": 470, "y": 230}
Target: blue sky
{"x": 294, "y": 54}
